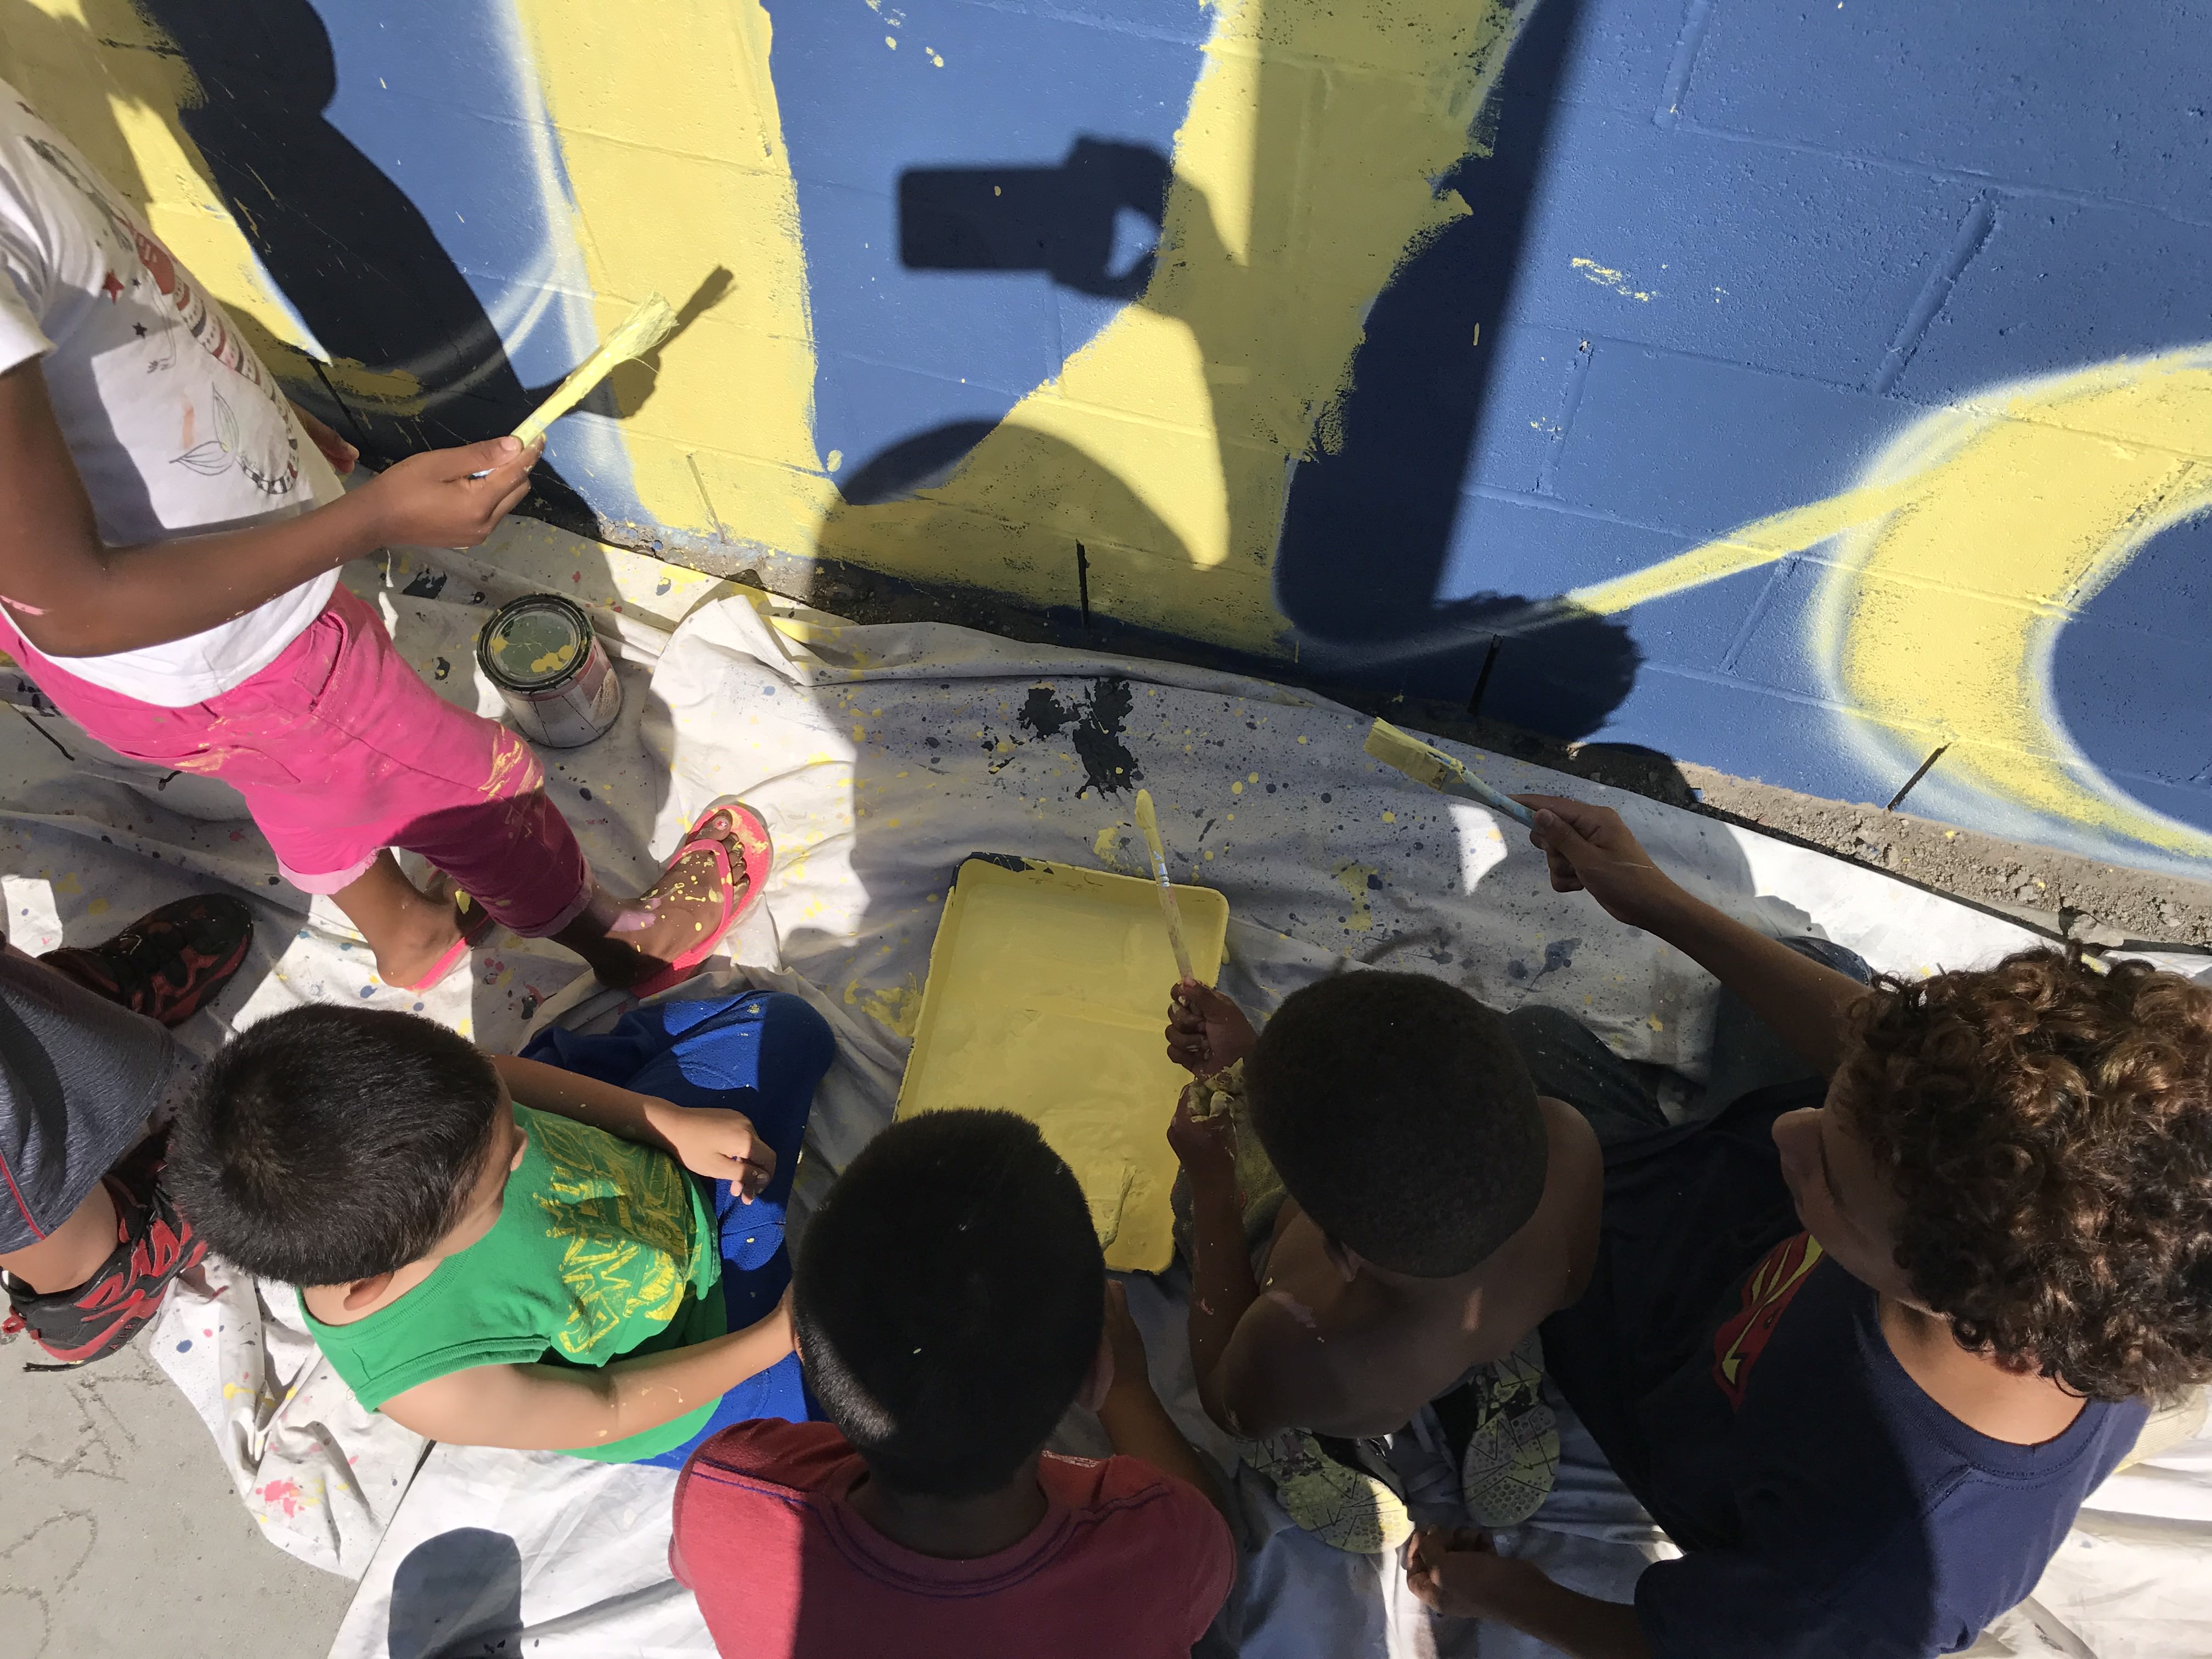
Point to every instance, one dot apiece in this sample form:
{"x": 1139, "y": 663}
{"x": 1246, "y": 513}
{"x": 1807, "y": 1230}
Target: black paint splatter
{"x": 1094, "y": 724}
{"x": 1043, "y": 714}
{"x": 427, "y": 585}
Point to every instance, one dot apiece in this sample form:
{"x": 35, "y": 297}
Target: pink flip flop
{"x": 756, "y": 857}
{"x": 474, "y": 931}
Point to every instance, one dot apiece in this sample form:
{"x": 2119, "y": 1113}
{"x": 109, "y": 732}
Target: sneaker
{"x": 1511, "y": 1437}
{"x": 153, "y": 1244}
{"x": 1350, "y": 1501}
{"x": 169, "y": 964}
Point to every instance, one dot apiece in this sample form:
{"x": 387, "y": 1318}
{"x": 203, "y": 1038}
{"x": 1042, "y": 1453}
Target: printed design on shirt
{"x": 1766, "y": 1295}
{"x": 625, "y": 1213}
{"x": 276, "y": 475}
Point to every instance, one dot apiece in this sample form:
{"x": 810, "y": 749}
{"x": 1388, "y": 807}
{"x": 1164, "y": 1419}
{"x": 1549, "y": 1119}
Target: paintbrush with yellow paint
{"x": 1419, "y": 761}
{"x": 653, "y": 321}
{"x": 1148, "y": 824}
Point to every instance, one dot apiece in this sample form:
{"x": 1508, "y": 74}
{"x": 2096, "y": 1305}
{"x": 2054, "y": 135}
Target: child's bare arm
{"x": 707, "y": 1140}
{"x": 1588, "y": 850}
{"x": 1222, "y": 1286}
{"x": 1139, "y": 1424}
{"x": 1279, "y": 1372}
{"x": 72, "y": 595}
{"x": 558, "y": 1409}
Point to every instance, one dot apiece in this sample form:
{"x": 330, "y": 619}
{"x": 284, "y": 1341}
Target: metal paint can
{"x": 555, "y": 676}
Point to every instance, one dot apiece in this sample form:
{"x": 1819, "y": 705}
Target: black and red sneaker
{"x": 169, "y": 964}
{"x": 154, "y": 1243}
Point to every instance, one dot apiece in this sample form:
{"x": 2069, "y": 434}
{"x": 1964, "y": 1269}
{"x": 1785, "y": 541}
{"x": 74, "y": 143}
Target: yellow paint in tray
{"x": 1047, "y": 996}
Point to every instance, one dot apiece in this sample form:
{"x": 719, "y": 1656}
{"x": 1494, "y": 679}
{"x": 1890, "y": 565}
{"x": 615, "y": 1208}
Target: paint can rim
{"x": 569, "y": 610}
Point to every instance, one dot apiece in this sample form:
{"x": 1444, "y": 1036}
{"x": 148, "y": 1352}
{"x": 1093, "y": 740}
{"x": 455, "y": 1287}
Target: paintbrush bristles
{"x": 1404, "y": 753}
{"x": 653, "y": 321}
{"x": 1409, "y": 755}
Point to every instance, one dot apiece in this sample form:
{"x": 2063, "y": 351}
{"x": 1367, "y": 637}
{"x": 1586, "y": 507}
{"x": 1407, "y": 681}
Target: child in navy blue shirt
{"x": 1862, "y": 1343}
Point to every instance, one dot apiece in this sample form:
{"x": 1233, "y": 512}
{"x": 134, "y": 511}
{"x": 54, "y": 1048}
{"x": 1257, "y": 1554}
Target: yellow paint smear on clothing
{"x": 1047, "y": 990}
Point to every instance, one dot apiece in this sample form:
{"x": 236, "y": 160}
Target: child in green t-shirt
{"x": 495, "y": 1251}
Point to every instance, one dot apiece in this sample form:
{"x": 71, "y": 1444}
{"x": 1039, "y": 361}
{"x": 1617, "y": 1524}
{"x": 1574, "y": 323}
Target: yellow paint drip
{"x": 1353, "y": 878}
{"x": 1606, "y": 277}
{"x": 894, "y": 1007}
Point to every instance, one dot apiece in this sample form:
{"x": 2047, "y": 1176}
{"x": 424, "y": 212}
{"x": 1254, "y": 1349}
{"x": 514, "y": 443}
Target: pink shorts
{"x": 341, "y": 751}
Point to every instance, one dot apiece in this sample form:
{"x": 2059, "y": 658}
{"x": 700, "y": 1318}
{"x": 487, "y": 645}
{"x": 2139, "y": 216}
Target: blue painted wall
{"x": 1719, "y": 259}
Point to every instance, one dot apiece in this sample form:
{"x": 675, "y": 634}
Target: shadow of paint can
{"x": 551, "y": 670}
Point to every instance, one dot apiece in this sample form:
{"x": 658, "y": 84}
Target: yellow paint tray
{"x": 1047, "y": 996}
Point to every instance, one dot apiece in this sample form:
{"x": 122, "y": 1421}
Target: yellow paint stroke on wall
{"x": 1976, "y": 535}
{"x": 673, "y": 145}
{"x": 112, "y": 84}
{"x": 1302, "y": 182}
{"x": 1944, "y": 618}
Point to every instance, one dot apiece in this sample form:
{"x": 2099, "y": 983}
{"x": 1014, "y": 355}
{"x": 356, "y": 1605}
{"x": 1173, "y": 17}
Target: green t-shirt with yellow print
{"x": 603, "y": 1249}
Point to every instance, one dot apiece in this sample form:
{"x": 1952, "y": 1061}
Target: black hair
{"x": 328, "y": 1144}
{"x": 949, "y": 1298}
{"x": 1400, "y": 1116}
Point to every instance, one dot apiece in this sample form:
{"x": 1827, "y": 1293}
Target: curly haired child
{"x": 1862, "y": 1342}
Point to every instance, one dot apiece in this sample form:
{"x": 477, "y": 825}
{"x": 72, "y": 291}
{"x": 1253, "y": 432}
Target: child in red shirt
{"x": 948, "y": 1308}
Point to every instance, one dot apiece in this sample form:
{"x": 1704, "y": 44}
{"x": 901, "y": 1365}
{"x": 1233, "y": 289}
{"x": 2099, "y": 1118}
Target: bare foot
{"x": 627, "y": 943}
{"x": 407, "y": 929}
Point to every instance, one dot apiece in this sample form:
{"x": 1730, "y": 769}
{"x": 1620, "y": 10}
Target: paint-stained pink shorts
{"x": 341, "y": 750}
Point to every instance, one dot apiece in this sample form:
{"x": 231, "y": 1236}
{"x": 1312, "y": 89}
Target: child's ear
{"x": 363, "y": 1291}
{"x": 1100, "y": 1377}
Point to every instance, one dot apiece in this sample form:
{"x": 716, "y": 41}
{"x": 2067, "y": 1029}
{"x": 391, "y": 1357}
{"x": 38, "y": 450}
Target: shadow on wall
{"x": 1368, "y": 528}
{"x": 417, "y": 362}
{"x": 1068, "y": 222}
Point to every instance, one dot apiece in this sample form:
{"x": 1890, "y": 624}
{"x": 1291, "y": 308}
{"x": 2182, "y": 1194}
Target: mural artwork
{"x": 1800, "y": 391}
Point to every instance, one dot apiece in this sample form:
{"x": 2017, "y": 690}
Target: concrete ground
{"x": 120, "y": 1533}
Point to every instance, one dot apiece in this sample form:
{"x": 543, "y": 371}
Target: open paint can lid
{"x": 535, "y": 641}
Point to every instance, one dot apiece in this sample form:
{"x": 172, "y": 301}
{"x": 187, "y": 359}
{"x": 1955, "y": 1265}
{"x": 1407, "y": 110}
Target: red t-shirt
{"x": 1128, "y": 1563}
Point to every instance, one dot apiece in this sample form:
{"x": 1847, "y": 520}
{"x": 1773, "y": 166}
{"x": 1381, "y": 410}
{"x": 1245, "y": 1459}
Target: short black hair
{"x": 328, "y": 1144}
{"x": 1401, "y": 1118}
{"x": 949, "y": 1298}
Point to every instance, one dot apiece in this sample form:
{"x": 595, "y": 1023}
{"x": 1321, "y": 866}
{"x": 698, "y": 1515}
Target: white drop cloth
{"x": 880, "y": 757}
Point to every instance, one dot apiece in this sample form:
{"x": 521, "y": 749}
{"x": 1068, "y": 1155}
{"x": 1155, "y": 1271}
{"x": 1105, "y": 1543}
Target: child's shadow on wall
{"x": 243, "y": 90}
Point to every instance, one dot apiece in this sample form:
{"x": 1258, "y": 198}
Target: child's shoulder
{"x": 796, "y": 1457}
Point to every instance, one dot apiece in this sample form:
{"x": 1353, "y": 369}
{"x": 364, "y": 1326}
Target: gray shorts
{"x": 79, "y": 1077}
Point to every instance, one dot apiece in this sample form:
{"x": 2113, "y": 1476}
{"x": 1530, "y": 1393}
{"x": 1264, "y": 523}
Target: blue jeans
{"x": 761, "y": 1053}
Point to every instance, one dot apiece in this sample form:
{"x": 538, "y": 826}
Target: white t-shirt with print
{"x": 176, "y": 427}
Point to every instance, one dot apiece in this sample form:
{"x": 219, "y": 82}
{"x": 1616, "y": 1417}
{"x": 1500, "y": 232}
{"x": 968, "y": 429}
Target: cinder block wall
{"x": 1798, "y": 388}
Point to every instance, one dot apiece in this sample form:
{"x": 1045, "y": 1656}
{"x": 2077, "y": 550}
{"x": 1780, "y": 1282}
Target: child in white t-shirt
{"x": 168, "y": 551}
